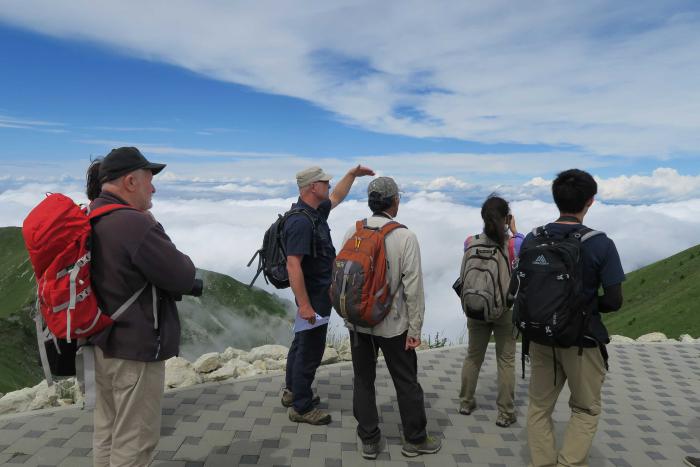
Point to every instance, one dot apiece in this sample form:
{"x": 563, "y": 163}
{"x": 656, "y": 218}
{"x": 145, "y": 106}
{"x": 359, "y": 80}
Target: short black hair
{"x": 378, "y": 203}
{"x": 572, "y": 189}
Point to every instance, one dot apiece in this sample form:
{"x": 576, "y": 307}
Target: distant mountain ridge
{"x": 228, "y": 314}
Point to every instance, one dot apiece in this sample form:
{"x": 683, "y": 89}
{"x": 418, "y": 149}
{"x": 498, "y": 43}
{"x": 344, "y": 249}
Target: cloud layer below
{"x": 220, "y": 228}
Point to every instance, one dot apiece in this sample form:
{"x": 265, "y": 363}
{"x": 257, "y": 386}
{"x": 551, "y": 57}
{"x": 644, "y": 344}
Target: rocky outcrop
{"x": 179, "y": 373}
{"x": 616, "y": 339}
{"x": 207, "y": 363}
{"x": 229, "y": 364}
{"x": 653, "y": 338}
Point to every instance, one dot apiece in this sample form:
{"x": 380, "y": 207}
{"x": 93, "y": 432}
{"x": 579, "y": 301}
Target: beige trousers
{"x": 586, "y": 374}
{"x": 479, "y": 337}
{"x": 127, "y": 411}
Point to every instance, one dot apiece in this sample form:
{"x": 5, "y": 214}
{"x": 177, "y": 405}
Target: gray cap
{"x": 310, "y": 175}
{"x": 384, "y": 186}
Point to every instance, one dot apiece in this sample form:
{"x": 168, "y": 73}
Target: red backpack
{"x": 57, "y": 236}
{"x": 359, "y": 288}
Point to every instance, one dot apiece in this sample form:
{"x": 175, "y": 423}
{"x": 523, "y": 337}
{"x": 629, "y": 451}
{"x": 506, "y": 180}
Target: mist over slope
{"x": 228, "y": 314}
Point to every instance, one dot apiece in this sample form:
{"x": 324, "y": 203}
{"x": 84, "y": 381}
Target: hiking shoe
{"x": 505, "y": 420}
{"x": 371, "y": 450}
{"x": 692, "y": 461}
{"x": 431, "y": 445}
{"x": 312, "y": 417}
{"x": 288, "y": 398}
{"x": 466, "y": 408}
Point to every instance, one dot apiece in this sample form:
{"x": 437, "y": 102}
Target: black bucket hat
{"x": 121, "y": 161}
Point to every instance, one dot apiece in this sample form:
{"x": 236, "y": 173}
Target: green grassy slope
{"x": 16, "y": 276}
{"x": 664, "y": 296}
{"x": 18, "y": 367}
{"x": 229, "y": 313}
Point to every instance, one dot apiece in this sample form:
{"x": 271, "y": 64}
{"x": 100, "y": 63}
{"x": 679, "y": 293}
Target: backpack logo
{"x": 541, "y": 260}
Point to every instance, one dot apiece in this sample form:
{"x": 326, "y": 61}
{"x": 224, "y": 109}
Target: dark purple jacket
{"x": 130, "y": 249}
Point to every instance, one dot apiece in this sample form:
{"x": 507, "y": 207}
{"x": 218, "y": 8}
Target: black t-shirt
{"x": 601, "y": 267}
{"x": 298, "y": 235}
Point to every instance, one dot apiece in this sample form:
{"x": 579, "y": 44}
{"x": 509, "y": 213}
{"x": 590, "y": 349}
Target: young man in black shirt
{"x": 573, "y": 191}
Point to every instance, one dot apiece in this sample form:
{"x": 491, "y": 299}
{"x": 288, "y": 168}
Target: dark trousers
{"x": 403, "y": 368}
{"x": 303, "y": 359}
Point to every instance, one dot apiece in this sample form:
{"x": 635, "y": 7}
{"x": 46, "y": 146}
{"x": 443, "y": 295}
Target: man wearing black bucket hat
{"x": 139, "y": 274}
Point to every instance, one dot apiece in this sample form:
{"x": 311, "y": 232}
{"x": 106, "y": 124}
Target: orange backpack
{"x": 359, "y": 288}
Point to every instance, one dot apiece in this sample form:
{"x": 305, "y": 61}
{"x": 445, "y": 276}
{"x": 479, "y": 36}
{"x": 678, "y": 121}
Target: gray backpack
{"x": 484, "y": 277}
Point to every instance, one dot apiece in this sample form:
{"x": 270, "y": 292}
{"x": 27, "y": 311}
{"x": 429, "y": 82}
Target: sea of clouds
{"x": 220, "y": 223}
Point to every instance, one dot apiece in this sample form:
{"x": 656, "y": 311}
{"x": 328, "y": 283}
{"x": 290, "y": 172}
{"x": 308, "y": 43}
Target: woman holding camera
{"x": 485, "y": 277}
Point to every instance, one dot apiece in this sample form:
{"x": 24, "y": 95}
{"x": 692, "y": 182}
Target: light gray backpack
{"x": 484, "y": 277}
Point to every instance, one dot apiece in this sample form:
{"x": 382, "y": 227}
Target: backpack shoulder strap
{"x": 106, "y": 209}
{"x": 587, "y": 234}
{"x": 314, "y": 226}
{"x": 511, "y": 250}
{"x": 539, "y": 231}
{"x": 389, "y": 227}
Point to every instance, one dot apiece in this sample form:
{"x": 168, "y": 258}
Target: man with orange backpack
{"x": 378, "y": 289}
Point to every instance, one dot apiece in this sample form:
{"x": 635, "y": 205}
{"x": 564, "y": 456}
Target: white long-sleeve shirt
{"x": 405, "y": 279}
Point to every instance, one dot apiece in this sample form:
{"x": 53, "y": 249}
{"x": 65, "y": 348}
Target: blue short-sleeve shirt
{"x": 601, "y": 267}
{"x": 298, "y": 241}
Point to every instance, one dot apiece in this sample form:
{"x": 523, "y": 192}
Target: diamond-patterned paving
{"x": 651, "y": 416}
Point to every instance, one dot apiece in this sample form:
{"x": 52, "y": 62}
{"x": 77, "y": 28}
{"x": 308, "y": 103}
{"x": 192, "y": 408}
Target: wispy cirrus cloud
{"x": 19, "y": 123}
{"x": 179, "y": 151}
{"x": 123, "y": 129}
{"x": 608, "y": 78}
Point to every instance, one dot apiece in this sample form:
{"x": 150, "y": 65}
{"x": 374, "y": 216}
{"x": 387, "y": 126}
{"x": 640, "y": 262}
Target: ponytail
{"x": 494, "y": 211}
{"x": 93, "y": 186}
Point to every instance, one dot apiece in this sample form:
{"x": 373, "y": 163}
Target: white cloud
{"x": 18, "y": 123}
{"x": 662, "y": 185}
{"x": 612, "y": 78}
{"x": 222, "y": 234}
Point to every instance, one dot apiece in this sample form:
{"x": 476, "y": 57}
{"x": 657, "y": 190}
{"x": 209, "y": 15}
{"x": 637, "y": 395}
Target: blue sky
{"x": 94, "y": 92}
{"x": 488, "y": 94}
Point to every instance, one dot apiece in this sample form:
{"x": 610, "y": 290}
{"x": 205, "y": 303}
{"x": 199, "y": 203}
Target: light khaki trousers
{"x": 586, "y": 374}
{"x": 127, "y": 411}
{"x": 479, "y": 337}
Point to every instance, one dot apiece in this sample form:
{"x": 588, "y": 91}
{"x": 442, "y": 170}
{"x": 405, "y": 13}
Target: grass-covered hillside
{"x": 664, "y": 296}
{"x": 228, "y": 314}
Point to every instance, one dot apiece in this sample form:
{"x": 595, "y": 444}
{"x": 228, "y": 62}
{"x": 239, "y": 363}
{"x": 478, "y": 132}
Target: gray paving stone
{"x": 651, "y": 416}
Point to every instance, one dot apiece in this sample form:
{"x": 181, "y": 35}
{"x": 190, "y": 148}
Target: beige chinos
{"x": 585, "y": 374}
{"x": 479, "y": 337}
{"x": 127, "y": 411}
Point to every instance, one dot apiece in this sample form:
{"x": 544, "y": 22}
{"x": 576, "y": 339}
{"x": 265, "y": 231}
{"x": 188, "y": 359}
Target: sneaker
{"x": 692, "y": 461}
{"x": 467, "y": 408}
{"x": 312, "y": 417}
{"x": 288, "y": 398}
{"x": 431, "y": 445}
{"x": 505, "y": 420}
{"x": 371, "y": 450}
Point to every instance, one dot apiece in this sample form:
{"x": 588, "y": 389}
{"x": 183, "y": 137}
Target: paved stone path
{"x": 651, "y": 416}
